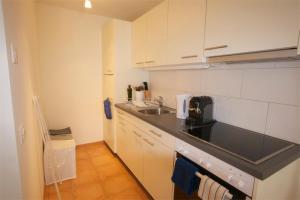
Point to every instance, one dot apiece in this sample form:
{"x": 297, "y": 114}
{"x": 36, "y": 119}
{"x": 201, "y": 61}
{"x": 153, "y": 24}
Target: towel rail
{"x": 228, "y": 194}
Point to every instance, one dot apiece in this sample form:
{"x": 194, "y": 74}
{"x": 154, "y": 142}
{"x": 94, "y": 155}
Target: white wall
{"x": 10, "y": 182}
{"x": 263, "y": 97}
{"x": 70, "y": 71}
{"x": 20, "y": 30}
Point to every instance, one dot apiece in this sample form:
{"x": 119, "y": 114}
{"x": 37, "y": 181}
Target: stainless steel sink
{"x": 155, "y": 111}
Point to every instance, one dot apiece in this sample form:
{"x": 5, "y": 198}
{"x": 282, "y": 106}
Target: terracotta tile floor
{"x": 100, "y": 175}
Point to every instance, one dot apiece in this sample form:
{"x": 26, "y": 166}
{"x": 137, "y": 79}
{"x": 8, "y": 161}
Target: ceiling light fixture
{"x": 87, "y": 4}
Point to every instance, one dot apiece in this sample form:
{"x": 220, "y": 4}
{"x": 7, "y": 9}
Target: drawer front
{"x": 161, "y": 136}
{"x": 125, "y": 116}
{"x": 121, "y": 121}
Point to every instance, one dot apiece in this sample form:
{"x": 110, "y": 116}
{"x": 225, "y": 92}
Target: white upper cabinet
{"x": 172, "y": 33}
{"x": 139, "y": 41}
{"x": 186, "y": 23}
{"x": 156, "y": 35}
{"x": 243, "y": 26}
{"x": 108, "y": 48}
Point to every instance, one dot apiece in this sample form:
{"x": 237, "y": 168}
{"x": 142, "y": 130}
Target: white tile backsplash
{"x": 263, "y": 97}
{"x": 163, "y": 80}
{"x": 284, "y": 122}
{"x": 288, "y": 64}
{"x": 222, "y": 82}
{"x": 243, "y": 113}
{"x": 273, "y": 85}
{"x": 182, "y": 80}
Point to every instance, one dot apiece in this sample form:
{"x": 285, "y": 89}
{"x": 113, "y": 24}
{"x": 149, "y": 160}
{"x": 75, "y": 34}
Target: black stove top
{"x": 247, "y": 145}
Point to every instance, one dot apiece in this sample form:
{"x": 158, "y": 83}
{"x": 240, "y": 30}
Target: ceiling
{"x": 122, "y": 9}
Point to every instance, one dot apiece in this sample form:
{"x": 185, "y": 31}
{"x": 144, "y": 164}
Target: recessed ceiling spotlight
{"x": 87, "y": 4}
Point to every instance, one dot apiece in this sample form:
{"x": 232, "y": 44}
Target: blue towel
{"x": 184, "y": 176}
{"x": 107, "y": 109}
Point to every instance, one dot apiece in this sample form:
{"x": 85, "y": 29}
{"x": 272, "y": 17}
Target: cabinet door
{"x": 157, "y": 35}
{"x": 108, "y": 49}
{"x": 158, "y": 167}
{"x": 235, "y": 26}
{"x": 123, "y": 141}
{"x": 139, "y": 41}
{"x": 108, "y": 133}
{"x": 136, "y": 146}
{"x": 186, "y": 21}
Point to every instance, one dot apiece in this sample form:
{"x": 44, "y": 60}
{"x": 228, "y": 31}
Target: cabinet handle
{"x": 155, "y": 133}
{"x": 136, "y": 134}
{"x": 216, "y": 47}
{"x": 150, "y": 61}
{"x": 190, "y": 56}
{"x": 139, "y": 63}
{"x": 148, "y": 142}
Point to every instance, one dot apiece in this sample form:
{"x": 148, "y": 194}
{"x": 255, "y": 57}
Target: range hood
{"x": 271, "y": 55}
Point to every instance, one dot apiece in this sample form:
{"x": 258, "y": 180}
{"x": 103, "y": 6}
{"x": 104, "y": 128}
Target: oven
{"x": 239, "y": 184}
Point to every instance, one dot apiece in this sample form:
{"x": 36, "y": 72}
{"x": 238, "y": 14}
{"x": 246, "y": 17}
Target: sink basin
{"x": 155, "y": 111}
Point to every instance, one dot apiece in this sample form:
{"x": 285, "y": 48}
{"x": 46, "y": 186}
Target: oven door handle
{"x": 228, "y": 194}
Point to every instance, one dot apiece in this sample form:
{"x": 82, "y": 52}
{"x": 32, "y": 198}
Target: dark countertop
{"x": 170, "y": 124}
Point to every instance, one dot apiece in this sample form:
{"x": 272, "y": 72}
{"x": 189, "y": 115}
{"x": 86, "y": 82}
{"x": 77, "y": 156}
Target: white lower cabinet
{"x": 136, "y": 153}
{"x": 122, "y": 140}
{"x": 158, "y": 168}
{"x": 148, "y": 158}
{"x": 108, "y": 135}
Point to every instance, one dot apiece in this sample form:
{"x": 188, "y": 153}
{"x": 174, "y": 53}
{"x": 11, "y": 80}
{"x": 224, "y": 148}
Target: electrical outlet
{"x": 13, "y": 54}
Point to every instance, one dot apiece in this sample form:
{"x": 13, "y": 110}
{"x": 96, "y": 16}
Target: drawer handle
{"x": 137, "y": 134}
{"x": 216, "y": 47}
{"x": 190, "y": 56}
{"x": 148, "y": 142}
{"x": 150, "y": 61}
{"x": 139, "y": 63}
{"x": 155, "y": 133}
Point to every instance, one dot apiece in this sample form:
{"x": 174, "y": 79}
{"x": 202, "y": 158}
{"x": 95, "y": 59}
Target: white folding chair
{"x": 59, "y": 155}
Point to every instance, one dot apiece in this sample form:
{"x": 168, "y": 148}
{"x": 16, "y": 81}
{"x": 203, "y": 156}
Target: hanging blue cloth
{"x": 184, "y": 176}
{"x": 107, "y": 109}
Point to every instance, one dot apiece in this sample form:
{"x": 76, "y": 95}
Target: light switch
{"x": 13, "y": 54}
{"x": 22, "y": 134}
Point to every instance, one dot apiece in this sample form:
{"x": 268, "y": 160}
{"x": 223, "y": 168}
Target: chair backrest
{"x": 41, "y": 120}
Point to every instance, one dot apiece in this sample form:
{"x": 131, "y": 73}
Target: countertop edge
{"x": 251, "y": 169}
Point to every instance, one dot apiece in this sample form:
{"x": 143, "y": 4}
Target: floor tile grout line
{"x": 134, "y": 186}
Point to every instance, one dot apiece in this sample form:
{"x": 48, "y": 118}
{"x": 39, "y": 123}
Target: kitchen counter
{"x": 170, "y": 124}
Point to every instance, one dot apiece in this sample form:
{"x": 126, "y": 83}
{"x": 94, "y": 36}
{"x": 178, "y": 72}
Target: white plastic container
{"x": 139, "y": 96}
{"x": 62, "y": 155}
{"x": 182, "y": 102}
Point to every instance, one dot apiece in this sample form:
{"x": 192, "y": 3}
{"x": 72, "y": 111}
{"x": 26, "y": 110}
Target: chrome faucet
{"x": 160, "y": 101}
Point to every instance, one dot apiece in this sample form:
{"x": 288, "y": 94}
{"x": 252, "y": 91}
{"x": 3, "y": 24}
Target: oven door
{"x": 180, "y": 195}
